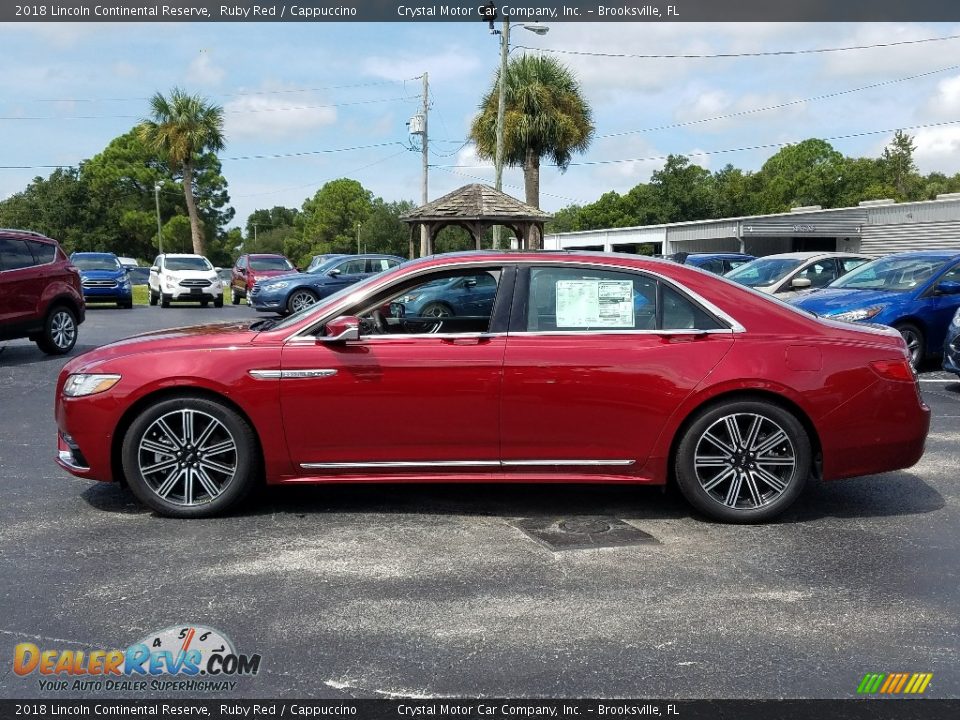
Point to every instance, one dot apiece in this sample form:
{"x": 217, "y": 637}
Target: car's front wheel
{"x": 59, "y": 333}
{"x": 164, "y": 300}
{"x": 154, "y": 298}
{"x": 234, "y": 296}
{"x": 300, "y": 300}
{"x": 743, "y": 461}
{"x": 913, "y": 337}
{"x": 190, "y": 457}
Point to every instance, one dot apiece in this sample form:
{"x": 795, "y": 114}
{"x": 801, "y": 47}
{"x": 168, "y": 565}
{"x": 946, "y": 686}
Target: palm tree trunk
{"x": 196, "y": 229}
{"x": 531, "y": 182}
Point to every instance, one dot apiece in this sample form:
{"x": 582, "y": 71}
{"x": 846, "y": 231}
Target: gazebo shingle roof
{"x": 476, "y": 202}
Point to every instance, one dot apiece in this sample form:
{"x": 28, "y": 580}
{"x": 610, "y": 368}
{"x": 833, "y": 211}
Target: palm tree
{"x": 182, "y": 128}
{"x": 546, "y": 115}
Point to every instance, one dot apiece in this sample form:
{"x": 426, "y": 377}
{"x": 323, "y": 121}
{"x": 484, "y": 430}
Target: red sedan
{"x": 585, "y": 368}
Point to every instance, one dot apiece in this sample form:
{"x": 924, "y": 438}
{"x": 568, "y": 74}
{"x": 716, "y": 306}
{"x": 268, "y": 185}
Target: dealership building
{"x": 874, "y": 227}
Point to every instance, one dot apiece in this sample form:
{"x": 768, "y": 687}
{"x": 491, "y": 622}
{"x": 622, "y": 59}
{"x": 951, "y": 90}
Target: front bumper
{"x": 181, "y": 294}
{"x": 266, "y": 302}
{"x": 117, "y": 294}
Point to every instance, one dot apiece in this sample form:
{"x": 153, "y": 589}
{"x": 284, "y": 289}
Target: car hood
{"x": 300, "y": 278}
{"x": 102, "y": 274}
{"x": 197, "y": 337}
{"x": 837, "y": 300}
{"x": 271, "y": 273}
{"x": 192, "y": 275}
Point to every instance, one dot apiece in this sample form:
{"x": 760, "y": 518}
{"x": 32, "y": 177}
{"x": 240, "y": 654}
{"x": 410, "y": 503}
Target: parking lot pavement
{"x": 432, "y": 590}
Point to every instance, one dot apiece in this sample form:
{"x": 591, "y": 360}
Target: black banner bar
{"x": 521, "y": 10}
{"x": 491, "y": 709}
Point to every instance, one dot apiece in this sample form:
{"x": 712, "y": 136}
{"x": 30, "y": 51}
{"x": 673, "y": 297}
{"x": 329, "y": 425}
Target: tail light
{"x": 899, "y": 370}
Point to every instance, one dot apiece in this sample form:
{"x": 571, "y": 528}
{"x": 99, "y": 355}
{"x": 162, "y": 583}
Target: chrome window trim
{"x": 608, "y": 331}
{"x": 305, "y": 333}
{"x": 463, "y": 463}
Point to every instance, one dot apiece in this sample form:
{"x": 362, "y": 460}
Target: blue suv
{"x": 103, "y": 278}
{"x": 285, "y": 294}
{"x": 915, "y": 292}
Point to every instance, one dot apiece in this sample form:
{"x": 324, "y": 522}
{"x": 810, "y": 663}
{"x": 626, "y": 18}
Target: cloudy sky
{"x": 294, "y": 92}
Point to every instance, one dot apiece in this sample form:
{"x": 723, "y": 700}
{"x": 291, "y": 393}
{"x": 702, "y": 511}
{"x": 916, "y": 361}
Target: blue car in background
{"x": 951, "y": 348}
{"x": 103, "y": 278}
{"x": 285, "y": 294}
{"x": 916, "y": 292}
{"x": 717, "y": 263}
{"x": 460, "y": 297}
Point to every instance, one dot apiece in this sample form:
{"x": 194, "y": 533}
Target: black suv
{"x": 40, "y": 293}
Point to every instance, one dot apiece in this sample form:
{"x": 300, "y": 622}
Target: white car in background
{"x": 182, "y": 277}
{"x": 790, "y": 274}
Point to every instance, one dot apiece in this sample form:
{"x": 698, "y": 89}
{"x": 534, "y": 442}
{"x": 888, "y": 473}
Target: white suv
{"x": 178, "y": 278}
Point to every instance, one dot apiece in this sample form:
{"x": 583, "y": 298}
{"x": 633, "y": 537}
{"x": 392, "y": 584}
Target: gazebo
{"x": 475, "y": 208}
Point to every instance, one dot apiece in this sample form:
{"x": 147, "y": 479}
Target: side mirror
{"x": 800, "y": 283}
{"x": 242, "y": 271}
{"x": 948, "y": 287}
{"x": 217, "y": 269}
{"x": 154, "y": 268}
{"x": 469, "y": 283}
{"x": 333, "y": 273}
{"x": 341, "y": 330}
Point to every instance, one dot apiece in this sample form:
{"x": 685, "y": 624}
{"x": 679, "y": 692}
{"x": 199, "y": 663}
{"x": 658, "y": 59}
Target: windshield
{"x": 270, "y": 263}
{"x": 892, "y": 274}
{"x": 95, "y": 262}
{"x": 311, "y": 309}
{"x": 188, "y": 263}
{"x": 764, "y": 271}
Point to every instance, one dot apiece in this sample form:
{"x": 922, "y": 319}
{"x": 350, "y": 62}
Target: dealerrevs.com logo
{"x": 181, "y": 657}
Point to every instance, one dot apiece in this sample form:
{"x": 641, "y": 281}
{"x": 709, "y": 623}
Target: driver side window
{"x": 458, "y": 302}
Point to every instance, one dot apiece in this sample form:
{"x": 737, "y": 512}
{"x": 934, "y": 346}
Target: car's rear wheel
{"x": 436, "y": 309}
{"x": 301, "y": 300}
{"x": 743, "y": 461}
{"x": 913, "y": 337}
{"x": 59, "y": 331}
{"x": 190, "y": 457}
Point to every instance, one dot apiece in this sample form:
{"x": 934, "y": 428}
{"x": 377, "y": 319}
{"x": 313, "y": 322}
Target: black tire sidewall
{"x": 900, "y": 327}
{"x": 45, "y": 341}
{"x": 248, "y": 458}
{"x": 702, "y": 501}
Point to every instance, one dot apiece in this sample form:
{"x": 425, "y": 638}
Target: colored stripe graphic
{"x": 894, "y": 683}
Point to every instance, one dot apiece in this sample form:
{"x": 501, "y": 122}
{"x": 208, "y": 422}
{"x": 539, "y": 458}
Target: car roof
{"x": 261, "y": 255}
{"x": 91, "y": 252}
{"x": 932, "y": 254}
{"x": 811, "y": 255}
{"x": 33, "y": 235}
{"x": 183, "y": 255}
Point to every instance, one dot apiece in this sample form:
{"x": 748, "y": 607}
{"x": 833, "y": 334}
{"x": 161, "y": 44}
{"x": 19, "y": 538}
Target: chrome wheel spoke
{"x": 770, "y": 479}
{"x": 710, "y": 437}
{"x": 208, "y": 484}
{"x": 218, "y": 449}
{"x": 753, "y": 432}
{"x": 769, "y": 443}
{"x": 168, "y": 484}
{"x": 711, "y": 484}
{"x": 162, "y": 424}
{"x": 712, "y": 460}
{"x": 205, "y": 435}
{"x": 217, "y": 467}
{"x": 754, "y": 491}
{"x": 155, "y": 447}
{"x": 160, "y": 466}
{"x": 733, "y": 492}
{"x": 188, "y": 486}
{"x": 187, "y": 425}
{"x": 733, "y": 431}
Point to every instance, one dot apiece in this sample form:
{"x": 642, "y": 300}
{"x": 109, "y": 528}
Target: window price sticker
{"x": 592, "y": 303}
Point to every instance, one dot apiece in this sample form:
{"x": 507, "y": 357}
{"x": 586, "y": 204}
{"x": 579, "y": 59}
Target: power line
{"x": 226, "y": 112}
{"x": 778, "y": 106}
{"x": 769, "y": 53}
{"x": 233, "y": 94}
{"x": 515, "y": 187}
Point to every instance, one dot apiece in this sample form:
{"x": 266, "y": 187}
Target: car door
{"x": 940, "y": 308}
{"x": 421, "y": 397}
{"x": 346, "y": 272}
{"x": 21, "y": 282}
{"x": 596, "y": 361}
{"x": 238, "y": 276}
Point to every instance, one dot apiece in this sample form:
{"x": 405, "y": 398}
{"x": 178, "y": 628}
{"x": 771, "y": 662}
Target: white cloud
{"x": 268, "y": 117}
{"x": 451, "y": 64}
{"x": 896, "y": 61}
{"x": 938, "y": 149}
{"x": 946, "y": 101}
{"x": 204, "y": 71}
{"x": 469, "y": 158}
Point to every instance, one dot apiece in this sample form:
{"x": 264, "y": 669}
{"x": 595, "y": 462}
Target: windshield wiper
{"x": 264, "y": 324}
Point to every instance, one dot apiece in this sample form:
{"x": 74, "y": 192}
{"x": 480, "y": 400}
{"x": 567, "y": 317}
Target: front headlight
{"x": 82, "y": 384}
{"x": 275, "y": 286}
{"x": 169, "y": 283}
{"x": 858, "y": 315}
{"x": 408, "y": 298}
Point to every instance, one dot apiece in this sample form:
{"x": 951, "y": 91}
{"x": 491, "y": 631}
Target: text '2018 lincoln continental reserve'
{"x": 564, "y": 367}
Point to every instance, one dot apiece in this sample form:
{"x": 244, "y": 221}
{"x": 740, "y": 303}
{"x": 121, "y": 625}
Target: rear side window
{"x": 595, "y": 300}
{"x": 376, "y": 265}
{"x": 15, "y": 254}
{"x": 849, "y": 263}
{"x": 352, "y": 267}
{"x": 44, "y": 253}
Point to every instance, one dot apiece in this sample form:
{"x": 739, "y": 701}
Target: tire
{"x": 218, "y": 302}
{"x": 204, "y": 303}
{"x": 153, "y": 298}
{"x": 59, "y": 333}
{"x": 126, "y": 305}
{"x": 436, "y": 309}
{"x": 234, "y": 297}
{"x": 913, "y": 337}
{"x": 732, "y": 482}
{"x": 166, "y": 472}
{"x": 300, "y": 300}
{"x": 164, "y": 300}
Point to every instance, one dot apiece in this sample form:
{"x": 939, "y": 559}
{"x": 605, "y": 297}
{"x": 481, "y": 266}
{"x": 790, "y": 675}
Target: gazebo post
{"x": 413, "y": 227}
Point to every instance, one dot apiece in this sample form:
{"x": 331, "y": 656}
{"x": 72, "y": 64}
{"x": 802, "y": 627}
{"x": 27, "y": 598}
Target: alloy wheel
{"x": 914, "y": 344}
{"x": 63, "y": 330}
{"x": 301, "y": 301}
{"x": 187, "y": 457}
{"x": 745, "y": 461}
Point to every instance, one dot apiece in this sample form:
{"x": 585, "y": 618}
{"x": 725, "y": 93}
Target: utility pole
{"x": 426, "y": 162}
{"x": 501, "y": 110}
{"x": 156, "y": 196}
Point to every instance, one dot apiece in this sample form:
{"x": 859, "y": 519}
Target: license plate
{"x": 196, "y": 291}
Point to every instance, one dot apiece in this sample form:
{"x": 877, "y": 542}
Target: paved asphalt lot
{"x": 433, "y": 591}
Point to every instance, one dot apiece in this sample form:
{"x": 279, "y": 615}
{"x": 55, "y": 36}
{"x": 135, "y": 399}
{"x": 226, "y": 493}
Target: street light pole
{"x": 358, "y": 237}
{"x": 156, "y": 197}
